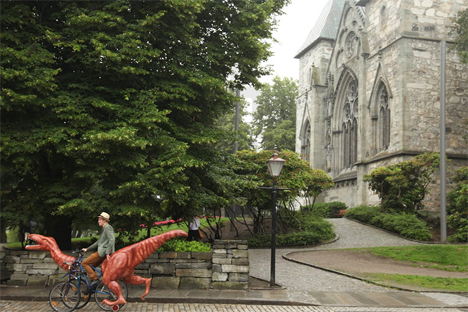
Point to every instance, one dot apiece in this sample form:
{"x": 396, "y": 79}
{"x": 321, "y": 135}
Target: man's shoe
{"x": 93, "y": 284}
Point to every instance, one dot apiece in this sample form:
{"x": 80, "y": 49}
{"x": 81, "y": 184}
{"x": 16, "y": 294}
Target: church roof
{"x": 326, "y": 26}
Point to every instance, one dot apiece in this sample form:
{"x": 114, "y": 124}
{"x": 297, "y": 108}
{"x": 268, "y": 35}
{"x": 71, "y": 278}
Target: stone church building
{"x": 370, "y": 91}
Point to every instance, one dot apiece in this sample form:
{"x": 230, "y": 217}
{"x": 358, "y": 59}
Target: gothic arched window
{"x": 305, "y": 143}
{"x": 384, "y": 118}
{"x": 349, "y": 128}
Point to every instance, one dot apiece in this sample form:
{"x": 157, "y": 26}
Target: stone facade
{"x": 370, "y": 91}
{"x": 226, "y": 267}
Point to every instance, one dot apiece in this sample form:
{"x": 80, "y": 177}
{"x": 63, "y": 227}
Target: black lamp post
{"x": 275, "y": 165}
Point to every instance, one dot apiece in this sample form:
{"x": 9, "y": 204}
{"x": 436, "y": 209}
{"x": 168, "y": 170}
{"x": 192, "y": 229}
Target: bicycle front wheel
{"x": 64, "y": 297}
{"x": 85, "y": 294}
{"x": 103, "y": 292}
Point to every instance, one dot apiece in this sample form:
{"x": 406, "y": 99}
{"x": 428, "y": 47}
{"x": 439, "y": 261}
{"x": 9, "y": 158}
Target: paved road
{"x": 304, "y": 282}
{"x": 15, "y": 306}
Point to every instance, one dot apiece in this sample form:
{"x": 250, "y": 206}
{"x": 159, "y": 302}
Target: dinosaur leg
{"x": 115, "y": 288}
{"x": 137, "y": 280}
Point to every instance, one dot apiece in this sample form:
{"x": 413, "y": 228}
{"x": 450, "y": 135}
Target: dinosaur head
{"x": 42, "y": 243}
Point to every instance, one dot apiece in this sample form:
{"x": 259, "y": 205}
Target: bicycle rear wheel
{"x": 103, "y": 292}
{"x": 64, "y": 297}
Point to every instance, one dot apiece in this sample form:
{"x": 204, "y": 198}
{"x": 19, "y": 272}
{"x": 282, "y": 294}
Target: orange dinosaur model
{"x": 121, "y": 264}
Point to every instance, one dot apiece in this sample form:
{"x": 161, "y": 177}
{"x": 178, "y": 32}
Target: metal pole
{"x": 273, "y": 236}
{"x": 232, "y": 215}
{"x": 443, "y": 212}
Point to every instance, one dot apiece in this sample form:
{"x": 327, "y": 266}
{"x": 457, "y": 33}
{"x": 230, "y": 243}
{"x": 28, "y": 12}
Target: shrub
{"x": 317, "y": 231}
{"x": 182, "y": 245}
{"x": 404, "y": 224}
{"x": 363, "y": 213}
{"x": 457, "y": 208}
{"x": 407, "y": 225}
{"x": 326, "y": 210}
{"x": 403, "y": 186}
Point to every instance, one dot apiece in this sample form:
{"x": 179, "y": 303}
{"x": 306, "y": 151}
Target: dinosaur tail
{"x": 146, "y": 247}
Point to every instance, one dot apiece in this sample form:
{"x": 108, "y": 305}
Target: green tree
{"x": 226, "y": 125}
{"x": 461, "y": 30}
{"x": 275, "y": 117}
{"x": 403, "y": 186}
{"x": 296, "y": 176}
{"x": 111, "y": 105}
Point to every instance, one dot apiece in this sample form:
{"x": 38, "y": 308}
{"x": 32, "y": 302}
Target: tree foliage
{"x": 461, "y": 30}
{"x": 403, "y": 186}
{"x": 111, "y": 105}
{"x": 226, "y": 125}
{"x": 275, "y": 117}
{"x": 457, "y": 208}
{"x": 296, "y": 176}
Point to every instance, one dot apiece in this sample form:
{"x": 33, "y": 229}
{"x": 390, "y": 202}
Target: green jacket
{"x": 105, "y": 243}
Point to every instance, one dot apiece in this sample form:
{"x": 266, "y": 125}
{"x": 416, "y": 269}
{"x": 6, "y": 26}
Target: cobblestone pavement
{"x": 42, "y": 306}
{"x": 301, "y": 280}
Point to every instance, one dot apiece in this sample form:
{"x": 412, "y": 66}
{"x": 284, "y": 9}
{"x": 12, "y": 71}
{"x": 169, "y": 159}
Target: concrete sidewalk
{"x": 278, "y": 296}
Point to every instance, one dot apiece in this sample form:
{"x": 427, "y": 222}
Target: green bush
{"x": 404, "y": 224}
{"x": 325, "y": 210}
{"x": 403, "y": 186}
{"x": 363, "y": 213}
{"x": 182, "y": 245}
{"x": 457, "y": 208}
{"x": 317, "y": 231}
{"x": 407, "y": 225}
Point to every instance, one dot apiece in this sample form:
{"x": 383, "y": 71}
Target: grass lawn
{"x": 442, "y": 257}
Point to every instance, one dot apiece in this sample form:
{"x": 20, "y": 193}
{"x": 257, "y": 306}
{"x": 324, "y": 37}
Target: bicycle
{"x": 75, "y": 292}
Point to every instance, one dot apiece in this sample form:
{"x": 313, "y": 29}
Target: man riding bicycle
{"x": 105, "y": 246}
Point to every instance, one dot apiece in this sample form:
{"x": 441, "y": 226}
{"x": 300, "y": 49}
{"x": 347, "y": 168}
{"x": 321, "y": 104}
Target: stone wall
{"x": 226, "y": 267}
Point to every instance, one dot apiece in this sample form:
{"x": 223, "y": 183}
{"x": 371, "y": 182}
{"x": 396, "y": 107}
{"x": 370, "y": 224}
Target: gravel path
{"x": 301, "y": 280}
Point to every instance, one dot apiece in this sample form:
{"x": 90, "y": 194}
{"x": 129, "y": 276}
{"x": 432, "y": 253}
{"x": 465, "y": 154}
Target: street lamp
{"x": 275, "y": 165}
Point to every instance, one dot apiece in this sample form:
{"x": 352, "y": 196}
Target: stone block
{"x": 219, "y": 251}
{"x": 243, "y": 247}
{"x": 17, "y": 267}
{"x": 165, "y": 282}
{"x": 193, "y": 272}
{"x": 11, "y": 259}
{"x": 143, "y": 266}
{"x": 18, "y": 253}
{"x": 46, "y": 266}
{"x": 238, "y": 277}
{"x": 184, "y": 255}
{"x": 38, "y": 255}
{"x": 240, "y": 261}
{"x": 226, "y": 268}
{"x": 168, "y": 255}
{"x": 16, "y": 282}
{"x": 196, "y": 265}
{"x": 240, "y": 253}
{"x": 230, "y": 285}
{"x": 219, "y": 277}
{"x": 19, "y": 277}
{"x": 54, "y": 279}
{"x": 222, "y": 260}
{"x": 40, "y": 271}
{"x": 202, "y": 255}
{"x": 163, "y": 269}
{"x": 216, "y": 268}
{"x": 194, "y": 283}
{"x": 39, "y": 280}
